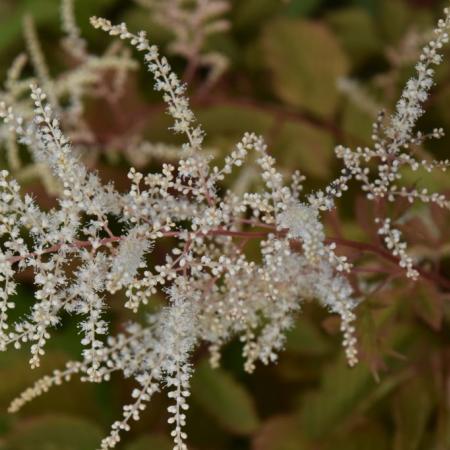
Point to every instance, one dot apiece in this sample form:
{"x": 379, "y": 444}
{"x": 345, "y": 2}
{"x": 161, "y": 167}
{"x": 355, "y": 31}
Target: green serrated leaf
{"x": 429, "y": 304}
{"x": 305, "y": 61}
{"x": 54, "y": 433}
{"x": 153, "y": 442}
{"x": 232, "y": 121}
{"x": 342, "y": 388}
{"x": 396, "y": 16}
{"x": 365, "y": 436}
{"x": 302, "y": 7}
{"x": 252, "y": 13}
{"x": 305, "y": 147}
{"x": 357, "y": 34}
{"x": 84, "y": 9}
{"x": 43, "y": 12}
{"x": 141, "y": 19}
{"x": 73, "y": 398}
{"x": 393, "y": 17}
{"x": 305, "y": 338}
{"x": 435, "y": 181}
{"x": 369, "y": 5}
{"x": 281, "y": 433}
{"x": 225, "y": 125}
{"x": 357, "y": 124}
{"x": 412, "y": 408}
{"x": 225, "y": 399}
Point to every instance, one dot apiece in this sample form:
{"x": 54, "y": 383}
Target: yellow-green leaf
{"x": 305, "y": 338}
{"x": 281, "y": 433}
{"x": 72, "y": 397}
{"x": 305, "y": 147}
{"x": 54, "y": 433}
{"x": 305, "y": 61}
{"x": 357, "y": 123}
{"x": 365, "y": 436}
{"x": 341, "y": 390}
{"x": 302, "y": 7}
{"x": 225, "y": 399}
{"x": 251, "y": 13}
{"x": 357, "y": 33}
{"x": 412, "y": 408}
{"x": 154, "y": 442}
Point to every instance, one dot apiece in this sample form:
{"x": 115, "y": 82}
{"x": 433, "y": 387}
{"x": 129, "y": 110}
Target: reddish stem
{"x": 361, "y": 246}
{"x": 371, "y": 248}
{"x": 56, "y": 247}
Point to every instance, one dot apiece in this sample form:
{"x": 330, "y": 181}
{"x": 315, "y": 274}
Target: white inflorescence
{"x": 214, "y": 291}
{"x": 379, "y": 169}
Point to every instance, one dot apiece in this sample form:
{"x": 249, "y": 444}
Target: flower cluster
{"x": 379, "y": 169}
{"x": 214, "y": 291}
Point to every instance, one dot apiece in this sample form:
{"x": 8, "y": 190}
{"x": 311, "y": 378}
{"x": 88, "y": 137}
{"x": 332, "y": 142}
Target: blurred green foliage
{"x": 285, "y": 57}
